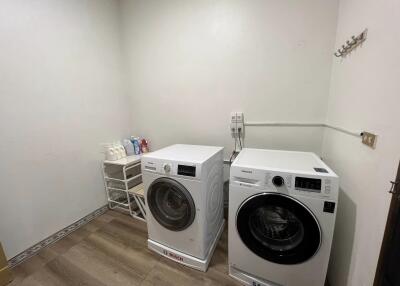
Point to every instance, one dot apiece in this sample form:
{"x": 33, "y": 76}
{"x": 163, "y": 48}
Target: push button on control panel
{"x": 327, "y": 189}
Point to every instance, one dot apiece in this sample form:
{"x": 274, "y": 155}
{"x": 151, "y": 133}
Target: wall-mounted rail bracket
{"x": 351, "y": 45}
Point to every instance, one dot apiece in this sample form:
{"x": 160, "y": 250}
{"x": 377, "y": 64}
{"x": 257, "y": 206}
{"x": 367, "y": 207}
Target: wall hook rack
{"x": 351, "y": 45}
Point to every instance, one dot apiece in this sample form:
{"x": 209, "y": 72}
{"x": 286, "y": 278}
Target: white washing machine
{"x": 282, "y": 213}
{"x": 183, "y": 188}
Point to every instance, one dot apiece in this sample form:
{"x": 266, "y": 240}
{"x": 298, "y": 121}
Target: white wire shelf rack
{"x": 124, "y": 187}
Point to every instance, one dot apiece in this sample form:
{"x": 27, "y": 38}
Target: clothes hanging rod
{"x": 304, "y": 124}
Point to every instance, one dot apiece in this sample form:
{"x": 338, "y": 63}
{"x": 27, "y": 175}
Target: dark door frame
{"x": 389, "y": 229}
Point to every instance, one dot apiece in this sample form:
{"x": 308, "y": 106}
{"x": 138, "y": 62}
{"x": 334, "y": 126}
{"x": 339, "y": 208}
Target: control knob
{"x": 278, "y": 181}
{"x": 167, "y": 168}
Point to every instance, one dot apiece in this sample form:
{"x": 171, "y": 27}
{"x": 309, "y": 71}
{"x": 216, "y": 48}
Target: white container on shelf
{"x": 112, "y": 154}
{"x": 117, "y": 150}
{"x": 114, "y": 151}
{"x": 122, "y": 150}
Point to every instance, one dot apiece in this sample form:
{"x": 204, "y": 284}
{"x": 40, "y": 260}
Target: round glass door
{"x": 278, "y": 228}
{"x": 171, "y": 204}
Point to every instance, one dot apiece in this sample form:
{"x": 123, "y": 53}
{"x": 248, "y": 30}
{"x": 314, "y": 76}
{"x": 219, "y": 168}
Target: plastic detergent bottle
{"x": 122, "y": 150}
{"x": 111, "y": 154}
{"x": 133, "y": 142}
{"x": 117, "y": 150}
{"x": 136, "y": 146}
{"x": 144, "y": 146}
{"x": 128, "y": 147}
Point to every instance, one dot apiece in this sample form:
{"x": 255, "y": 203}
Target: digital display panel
{"x": 308, "y": 184}
{"x": 189, "y": 171}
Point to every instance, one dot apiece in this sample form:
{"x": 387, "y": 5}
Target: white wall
{"x": 193, "y": 62}
{"x": 61, "y": 94}
{"x": 190, "y": 64}
{"x": 364, "y": 95}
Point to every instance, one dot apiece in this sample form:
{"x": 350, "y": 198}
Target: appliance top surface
{"x": 185, "y": 153}
{"x": 278, "y": 160}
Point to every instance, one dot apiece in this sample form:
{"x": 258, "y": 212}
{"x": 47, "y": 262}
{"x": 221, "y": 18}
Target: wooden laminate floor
{"x": 112, "y": 250}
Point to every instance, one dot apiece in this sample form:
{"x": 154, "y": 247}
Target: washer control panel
{"x": 315, "y": 186}
{"x": 170, "y": 168}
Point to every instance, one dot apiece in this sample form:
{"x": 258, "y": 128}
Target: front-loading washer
{"x": 282, "y": 212}
{"x": 183, "y": 188}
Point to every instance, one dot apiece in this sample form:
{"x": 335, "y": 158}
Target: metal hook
{"x": 360, "y": 37}
{"x": 351, "y": 44}
{"x": 342, "y": 52}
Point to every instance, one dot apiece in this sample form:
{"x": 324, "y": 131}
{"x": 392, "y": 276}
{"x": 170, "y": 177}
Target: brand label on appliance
{"x": 172, "y": 255}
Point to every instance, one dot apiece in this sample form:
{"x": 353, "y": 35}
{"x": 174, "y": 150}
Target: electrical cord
{"x": 233, "y": 152}
{"x": 236, "y": 136}
{"x": 230, "y": 159}
{"x": 240, "y": 140}
{"x": 234, "y": 149}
